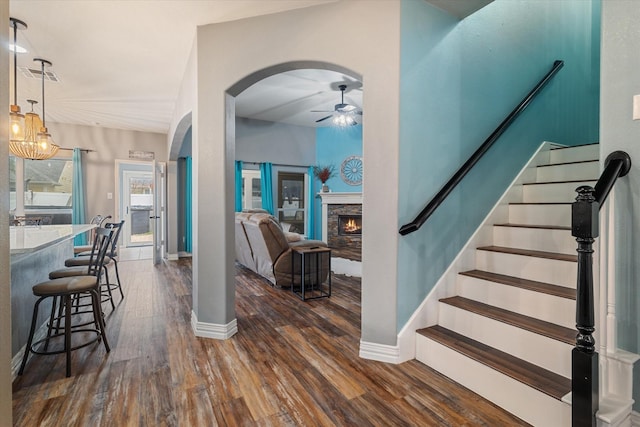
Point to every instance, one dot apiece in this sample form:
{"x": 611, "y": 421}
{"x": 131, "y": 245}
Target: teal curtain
{"x": 266, "y": 186}
{"x": 77, "y": 196}
{"x": 188, "y": 230}
{"x": 238, "y": 185}
{"x": 311, "y": 227}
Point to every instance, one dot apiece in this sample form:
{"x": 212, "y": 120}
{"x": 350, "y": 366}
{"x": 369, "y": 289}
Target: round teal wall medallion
{"x": 351, "y": 170}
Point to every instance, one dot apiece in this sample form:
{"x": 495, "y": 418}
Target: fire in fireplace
{"x": 349, "y": 225}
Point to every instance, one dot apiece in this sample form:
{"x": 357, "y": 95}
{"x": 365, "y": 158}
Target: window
{"x": 251, "y": 192}
{"x": 291, "y": 197}
{"x": 47, "y": 188}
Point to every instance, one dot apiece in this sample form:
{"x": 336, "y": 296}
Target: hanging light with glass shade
{"x": 45, "y": 145}
{"x": 16, "y": 119}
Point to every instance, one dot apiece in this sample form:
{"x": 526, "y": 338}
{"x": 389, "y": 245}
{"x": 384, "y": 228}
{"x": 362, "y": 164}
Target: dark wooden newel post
{"x": 584, "y": 358}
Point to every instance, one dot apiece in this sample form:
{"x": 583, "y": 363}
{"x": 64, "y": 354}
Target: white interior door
{"x": 158, "y": 216}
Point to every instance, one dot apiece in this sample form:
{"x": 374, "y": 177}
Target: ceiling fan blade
{"x": 324, "y": 118}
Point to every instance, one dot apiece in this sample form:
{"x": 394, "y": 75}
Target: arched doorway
{"x": 296, "y": 127}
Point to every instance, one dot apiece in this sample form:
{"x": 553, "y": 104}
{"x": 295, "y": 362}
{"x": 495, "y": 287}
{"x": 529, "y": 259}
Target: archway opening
{"x": 293, "y": 135}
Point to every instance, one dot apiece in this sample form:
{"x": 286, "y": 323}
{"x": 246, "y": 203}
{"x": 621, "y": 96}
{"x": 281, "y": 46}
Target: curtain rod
{"x": 86, "y": 150}
{"x": 275, "y": 164}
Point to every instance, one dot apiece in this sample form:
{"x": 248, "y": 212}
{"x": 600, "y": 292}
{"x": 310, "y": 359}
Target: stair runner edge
{"x": 547, "y": 382}
{"x": 530, "y": 285}
{"x": 527, "y": 323}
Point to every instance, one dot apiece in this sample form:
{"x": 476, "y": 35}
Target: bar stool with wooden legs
{"x": 66, "y": 289}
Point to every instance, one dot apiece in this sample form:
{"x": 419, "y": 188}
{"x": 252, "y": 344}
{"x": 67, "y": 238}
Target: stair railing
{"x": 475, "y": 157}
{"x": 585, "y": 228}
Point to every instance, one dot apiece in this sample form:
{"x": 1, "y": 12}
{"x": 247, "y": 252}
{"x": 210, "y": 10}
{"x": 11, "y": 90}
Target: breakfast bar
{"x": 35, "y": 251}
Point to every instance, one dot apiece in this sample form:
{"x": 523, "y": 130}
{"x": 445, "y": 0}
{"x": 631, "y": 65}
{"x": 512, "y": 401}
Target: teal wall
{"x": 459, "y": 80}
{"x": 333, "y": 145}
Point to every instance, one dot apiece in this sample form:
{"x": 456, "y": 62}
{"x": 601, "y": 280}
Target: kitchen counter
{"x": 35, "y": 251}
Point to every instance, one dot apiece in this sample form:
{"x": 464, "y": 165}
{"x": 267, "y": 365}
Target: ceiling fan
{"x": 343, "y": 114}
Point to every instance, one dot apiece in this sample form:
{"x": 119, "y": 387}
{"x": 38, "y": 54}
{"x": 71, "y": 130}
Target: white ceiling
{"x": 121, "y": 62}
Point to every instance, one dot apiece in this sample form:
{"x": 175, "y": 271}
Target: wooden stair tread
{"x": 531, "y": 285}
{"x": 545, "y": 381}
{"x": 560, "y": 182}
{"x": 547, "y": 329}
{"x": 540, "y": 203}
{"x": 531, "y": 253}
{"x": 545, "y": 227}
{"x": 568, "y": 163}
{"x": 555, "y": 147}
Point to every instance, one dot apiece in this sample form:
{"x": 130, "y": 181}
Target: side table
{"x": 314, "y": 265}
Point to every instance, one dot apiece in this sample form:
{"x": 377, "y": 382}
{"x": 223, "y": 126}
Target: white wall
{"x": 369, "y": 46}
{"x": 620, "y": 80}
{"x": 5, "y": 276}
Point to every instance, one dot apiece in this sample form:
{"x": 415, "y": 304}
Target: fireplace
{"x": 349, "y": 225}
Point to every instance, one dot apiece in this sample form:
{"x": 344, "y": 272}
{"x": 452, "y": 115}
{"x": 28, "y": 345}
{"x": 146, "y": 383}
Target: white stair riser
{"x": 575, "y": 154}
{"x": 540, "y": 214}
{"x": 545, "y": 352}
{"x": 568, "y": 172}
{"x": 549, "y": 308}
{"x": 564, "y": 192}
{"x": 521, "y": 400}
{"x": 553, "y": 271}
{"x": 536, "y": 239}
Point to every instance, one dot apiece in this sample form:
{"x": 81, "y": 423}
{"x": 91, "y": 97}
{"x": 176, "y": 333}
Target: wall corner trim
{"x": 380, "y": 352}
{"x": 213, "y": 330}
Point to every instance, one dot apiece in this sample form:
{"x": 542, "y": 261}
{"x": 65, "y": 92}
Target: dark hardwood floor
{"x": 292, "y": 363}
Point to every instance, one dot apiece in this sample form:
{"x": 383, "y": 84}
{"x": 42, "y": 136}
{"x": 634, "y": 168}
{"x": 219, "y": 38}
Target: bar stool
{"x": 97, "y": 220}
{"x": 82, "y": 259}
{"x": 66, "y": 289}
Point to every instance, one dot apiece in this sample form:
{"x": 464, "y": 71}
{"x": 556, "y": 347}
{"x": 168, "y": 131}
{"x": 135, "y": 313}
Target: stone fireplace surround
{"x": 334, "y": 204}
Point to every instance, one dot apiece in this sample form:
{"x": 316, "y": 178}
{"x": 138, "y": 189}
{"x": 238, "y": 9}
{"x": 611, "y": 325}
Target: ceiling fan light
{"x": 343, "y": 120}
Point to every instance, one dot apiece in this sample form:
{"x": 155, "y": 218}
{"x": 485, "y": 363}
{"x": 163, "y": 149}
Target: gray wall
{"x": 260, "y": 48}
{"x": 99, "y": 166}
{"x": 262, "y": 141}
{"x": 620, "y": 80}
{"x": 5, "y": 279}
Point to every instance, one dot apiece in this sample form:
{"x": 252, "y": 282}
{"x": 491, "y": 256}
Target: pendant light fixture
{"x": 45, "y": 145}
{"x": 16, "y": 119}
{"x": 32, "y": 124}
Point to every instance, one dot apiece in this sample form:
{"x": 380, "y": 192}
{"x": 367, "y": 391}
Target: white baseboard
{"x": 380, "y": 352}
{"x": 172, "y": 257}
{"x": 213, "y": 330}
{"x": 635, "y": 419}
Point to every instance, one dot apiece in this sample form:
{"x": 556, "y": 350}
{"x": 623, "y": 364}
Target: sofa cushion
{"x": 244, "y": 254}
{"x": 267, "y": 242}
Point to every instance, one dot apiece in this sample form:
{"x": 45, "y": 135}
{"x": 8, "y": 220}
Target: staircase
{"x": 508, "y": 332}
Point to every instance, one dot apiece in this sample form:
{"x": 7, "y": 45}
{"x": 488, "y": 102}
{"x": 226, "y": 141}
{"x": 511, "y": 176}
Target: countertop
{"x": 28, "y": 239}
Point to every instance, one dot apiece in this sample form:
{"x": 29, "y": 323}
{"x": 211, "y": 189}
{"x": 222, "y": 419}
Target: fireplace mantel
{"x": 336, "y": 199}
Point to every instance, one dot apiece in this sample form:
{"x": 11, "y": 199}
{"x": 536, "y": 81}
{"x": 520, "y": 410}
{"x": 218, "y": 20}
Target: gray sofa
{"x": 264, "y": 247}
